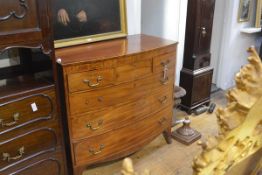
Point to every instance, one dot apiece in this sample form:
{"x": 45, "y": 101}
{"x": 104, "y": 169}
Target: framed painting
{"x": 244, "y": 10}
{"x": 259, "y": 14}
{"x": 84, "y": 21}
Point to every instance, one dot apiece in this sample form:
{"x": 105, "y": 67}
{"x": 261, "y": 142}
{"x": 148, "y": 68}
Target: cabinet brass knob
{"x": 90, "y": 84}
{"x": 9, "y": 124}
{"x": 94, "y": 152}
{"x": 7, "y": 157}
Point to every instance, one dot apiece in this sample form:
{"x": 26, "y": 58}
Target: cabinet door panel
{"x": 24, "y": 23}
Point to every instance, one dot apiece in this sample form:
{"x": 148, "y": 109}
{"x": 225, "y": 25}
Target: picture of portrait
{"x": 244, "y": 10}
{"x": 75, "y": 20}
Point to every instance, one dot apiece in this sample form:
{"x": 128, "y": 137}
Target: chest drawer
{"x": 123, "y": 141}
{"x": 164, "y": 62}
{"x": 27, "y": 146}
{"x": 95, "y": 100}
{"x": 99, "y": 122}
{"x": 26, "y": 110}
{"x": 90, "y": 80}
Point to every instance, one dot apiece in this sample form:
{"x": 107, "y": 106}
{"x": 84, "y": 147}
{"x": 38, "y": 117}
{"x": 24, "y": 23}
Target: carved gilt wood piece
{"x": 240, "y": 124}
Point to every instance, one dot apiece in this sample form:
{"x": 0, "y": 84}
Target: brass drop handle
{"x": 94, "y": 152}
{"x": 163, "y": 100}
{"x": 91, "y": 127}
{"x": 7, "y": 157}
{"x": 164, "y": 80}
{"x": 203, "y": 31}
{"x": 14, "y": 122}
{"x": 90, "y": 84}
{"x": 162, "y": 121}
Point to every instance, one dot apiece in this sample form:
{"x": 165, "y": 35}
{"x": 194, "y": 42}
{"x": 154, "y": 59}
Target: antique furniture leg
{"x": 167, "y": 136}
{"x": 79, "y": 170}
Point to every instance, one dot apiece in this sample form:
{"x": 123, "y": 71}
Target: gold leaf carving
{"x": 240, "y": 123}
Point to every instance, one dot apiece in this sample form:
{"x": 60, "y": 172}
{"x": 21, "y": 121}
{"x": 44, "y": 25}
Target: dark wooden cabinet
{"x": 31, "y": 139}
{"x": 25, "y": 23}
{"x": 196, "y": 75}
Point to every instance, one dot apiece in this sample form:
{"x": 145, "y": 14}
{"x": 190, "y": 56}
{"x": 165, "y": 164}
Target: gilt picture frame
{"x": 259, "y": 14}
{"x": 85, "y": 21}
{"x": 244, "y": 10}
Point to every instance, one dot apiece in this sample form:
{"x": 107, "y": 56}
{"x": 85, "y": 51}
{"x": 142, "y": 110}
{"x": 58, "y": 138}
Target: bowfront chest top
{"x": 118, "y": 96}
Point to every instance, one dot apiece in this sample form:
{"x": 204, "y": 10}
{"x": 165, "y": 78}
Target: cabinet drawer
{"x": 38, "y": 165}
{"x": 27, "y": 146}
{"x": 90, "y": 80}
{"x": 164, "y": 62}
{"x": 24, "y": 23}
{"x": 95, "y": 100}
{"x": 95, "y": 123}
{"x": 26, "y": 110}
{"x": 123, "y": 141}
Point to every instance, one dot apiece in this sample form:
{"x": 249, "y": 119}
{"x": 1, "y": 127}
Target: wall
{"x": 133, "y": 16}
{"x": 217, "y": 33}
{"x": 233, "y": 45}
{"x": 166, "y": 19}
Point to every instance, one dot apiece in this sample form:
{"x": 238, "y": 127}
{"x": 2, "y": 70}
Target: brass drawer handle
{"x": 163, "y": 100}
{"x": 7, "y": 157}
{"x": 91, "y": 127}
{"x": 94, "y": 152}
{"x": 98, "y": 80}
{"x": 162, "y": 121}
{"x": 14, "y": 122}
{"x": 164, "y": 80}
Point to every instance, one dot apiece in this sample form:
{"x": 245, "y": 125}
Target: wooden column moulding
{"x": 196, "y": 75}
{"x": 118, "y": 96}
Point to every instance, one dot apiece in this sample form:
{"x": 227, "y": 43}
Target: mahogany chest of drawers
{"x": 118, "y": 96}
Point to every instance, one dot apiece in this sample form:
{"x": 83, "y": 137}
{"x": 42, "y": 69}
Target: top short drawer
{"x": 24, "y": 111}
{"x": 90, "y": 80}
{"x": 164, "y": 61}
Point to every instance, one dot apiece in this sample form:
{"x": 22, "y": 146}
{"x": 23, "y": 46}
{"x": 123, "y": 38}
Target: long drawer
{"x": 98, "y": 122}
{"x": 123, "y": 141}
{"x": 26, "y": 110}
{"x": 28, "y": 145}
